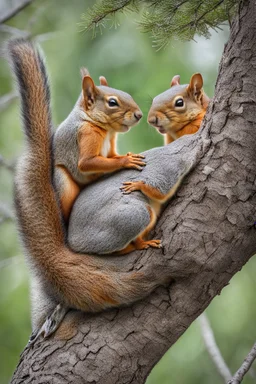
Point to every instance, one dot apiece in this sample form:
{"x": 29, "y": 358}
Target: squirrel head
{"x": 106, "y": 107}
{"x": 178, "y": 106}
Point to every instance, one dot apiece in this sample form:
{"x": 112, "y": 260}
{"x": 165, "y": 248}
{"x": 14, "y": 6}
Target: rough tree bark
{"x": 8, "y": 8}
{"x": 208, "y": 233}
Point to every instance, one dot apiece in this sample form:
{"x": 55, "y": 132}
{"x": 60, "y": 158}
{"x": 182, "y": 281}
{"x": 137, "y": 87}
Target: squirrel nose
{"x": 152, "y": 120}
{"x": 138, "y": 115}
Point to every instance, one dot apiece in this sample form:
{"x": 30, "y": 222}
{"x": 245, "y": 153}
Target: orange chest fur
{"x": 193, "y": 126}
{"x": 189, "y": 129}
{"x": 93, "y": 142}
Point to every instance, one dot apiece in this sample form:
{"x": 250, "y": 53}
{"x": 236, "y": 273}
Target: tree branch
{"x": 13, "y": 31}
{"x": 94, "y": 16}
{"x": 166, "y": 20}
{"x": 239, "y": 375}
{"x": 5, "y": 213}
{"x": 3, "y": 162}
{"x": 12, "y": 10}
{"x": 10, "y": 261}
{"x": 212, "y": 347}
{"x": 5, "y": 101}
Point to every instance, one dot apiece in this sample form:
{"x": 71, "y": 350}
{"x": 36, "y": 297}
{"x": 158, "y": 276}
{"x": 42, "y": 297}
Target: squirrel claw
{"x": 155, "y": 243}
{"x": 50, "y": 325}
{"x": 130, "y": 186}
{"x": 138, "y": 162}
{"x": 149, "y": 243}
{"x": 135, "y": 155}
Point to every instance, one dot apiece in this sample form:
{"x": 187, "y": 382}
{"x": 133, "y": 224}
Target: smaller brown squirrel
{"x": 176, "y": 112}
{"x": 84, "y": 144}
{"x": 179, "y": 110}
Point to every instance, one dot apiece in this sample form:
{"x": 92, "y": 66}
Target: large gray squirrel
{"x": 105, "y": 220}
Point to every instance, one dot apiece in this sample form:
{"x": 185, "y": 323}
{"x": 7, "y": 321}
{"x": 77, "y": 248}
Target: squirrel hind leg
{"x": 50, "y": 325}
{"x": 139, "y": 242}
{"x": 67, "y": 188}
{"x": 145, "y": 244}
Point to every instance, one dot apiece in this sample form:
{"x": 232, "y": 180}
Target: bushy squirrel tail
{"x": 78, "y": 281}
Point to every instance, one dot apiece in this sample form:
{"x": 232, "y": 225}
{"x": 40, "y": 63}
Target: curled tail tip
{"x": 13, "y": 48}
{"x": 15, "y": 44}
{"x": 18, "y": 48}
{"x": 29, "y": 72}
{"x": 14, "y": 51}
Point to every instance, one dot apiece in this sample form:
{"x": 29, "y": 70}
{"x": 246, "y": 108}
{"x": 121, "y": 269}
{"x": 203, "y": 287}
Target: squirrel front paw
{"x": 135, "y": 155}
{"x": 132, "y": 160}
{"x": 131, "y": 186}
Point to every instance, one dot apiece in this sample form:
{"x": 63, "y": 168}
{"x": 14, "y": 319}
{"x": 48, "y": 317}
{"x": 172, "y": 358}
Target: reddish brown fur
{"x": 140, "y": 242}
{"x": 174, "y": 120}
{"x": 96, "y": 138}
{"x": 90, "y": 159}
{"x": 189, "y": 129}
{"x": 70, "y": 194}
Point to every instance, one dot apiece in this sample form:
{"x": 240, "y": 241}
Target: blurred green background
{"x": 127, "y": 59}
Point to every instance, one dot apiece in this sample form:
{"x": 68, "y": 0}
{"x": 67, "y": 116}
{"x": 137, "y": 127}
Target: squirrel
{"x": 179, "y": 110}
{"x": 176, "y": 112}
{"x": 84, "y": 144}
{"x": 58, "y": 274}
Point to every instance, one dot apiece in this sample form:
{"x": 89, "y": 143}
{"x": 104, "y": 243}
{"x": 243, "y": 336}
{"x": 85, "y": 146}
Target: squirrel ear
{"x": 84, "y": 72}
{"x": 89, "y": 91}
{"x": 196, "y": 85}
{"x": 175, "y": 80}
{"x": 196, "y": 89}
{"x": 103, "y": 81}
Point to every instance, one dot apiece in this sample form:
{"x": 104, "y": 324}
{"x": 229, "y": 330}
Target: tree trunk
{"x": 208, "y": 232}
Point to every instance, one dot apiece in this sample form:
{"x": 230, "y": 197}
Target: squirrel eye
{"x": 112, "y": 102}
{"x": 179, "y": 103}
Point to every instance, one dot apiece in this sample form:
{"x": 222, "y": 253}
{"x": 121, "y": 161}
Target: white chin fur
{"x": 125, "y": 128}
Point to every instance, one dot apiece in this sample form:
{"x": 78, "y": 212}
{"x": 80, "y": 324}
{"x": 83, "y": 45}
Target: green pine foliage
{"x": 96, "y": 17}
{"x": 164, "y": 20}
